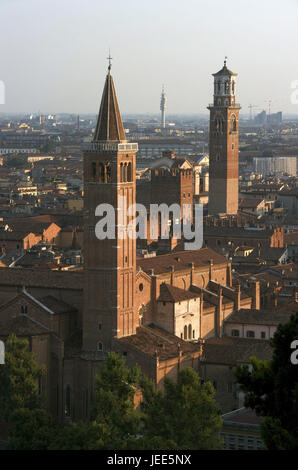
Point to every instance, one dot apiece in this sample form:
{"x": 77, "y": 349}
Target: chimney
{"x": 172, "y": 275}
{"x": 210, "y": 269}
{"x": 254, "y": 292}
{"x": 219, "y": 314}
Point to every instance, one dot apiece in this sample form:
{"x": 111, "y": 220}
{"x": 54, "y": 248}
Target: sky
{"x": 53, "y": 54}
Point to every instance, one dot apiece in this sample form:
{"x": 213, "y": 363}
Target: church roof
{"x": 228, "y": 350}
{"x": 169, "y": 293}
{"x": 180, "y": 260}
{"x": 152, "y": 340}
{"x": 259, "y": 317}
{"x": 109, "y": 125}
{"x": 22, "y": 325}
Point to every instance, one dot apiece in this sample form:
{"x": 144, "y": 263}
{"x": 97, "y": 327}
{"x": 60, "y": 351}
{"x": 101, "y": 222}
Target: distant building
{"x": 275, "y": 165}
{"x": 241, "y": 430}
{"x": 263, "y": 118}
{"x": 8, "y": 151}
{"x": 275, "y": 118}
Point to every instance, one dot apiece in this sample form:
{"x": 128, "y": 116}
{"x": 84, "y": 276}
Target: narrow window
{"x": 107, "y": 173}
{"x": 93, "y": 170}
{"x": 100, "y": 173}
{"x": 129, "y": 172}
{"x": 68, "y": 401}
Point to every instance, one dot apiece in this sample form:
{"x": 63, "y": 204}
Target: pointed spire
{"x": 109, "y": 125}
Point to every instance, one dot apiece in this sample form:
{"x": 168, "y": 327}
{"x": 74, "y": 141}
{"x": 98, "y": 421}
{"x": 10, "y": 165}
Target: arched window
{"x": 185, "y": 332}
{"x": 121, "y": 172}
{"x": 99, "y": 346}
{"x": 100, "y": 173}
{"x": 107, "y": 173}
{"x": 189, "y": 331}
{"x": 233, "y": 123}
{"x": 125, "y": 172}
{"x": 218, "y": 126}
{"x": 129, "y": 172}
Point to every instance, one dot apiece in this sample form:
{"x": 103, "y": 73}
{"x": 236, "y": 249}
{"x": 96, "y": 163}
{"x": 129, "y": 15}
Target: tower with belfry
{"x": 223, "y": 145}
{"x": 110, "y": 263}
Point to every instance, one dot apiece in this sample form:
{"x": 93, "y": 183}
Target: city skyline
{"x": 183, "y": 48}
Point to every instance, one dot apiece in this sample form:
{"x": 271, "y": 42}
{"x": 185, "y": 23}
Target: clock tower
{"x": 223, "y": 145}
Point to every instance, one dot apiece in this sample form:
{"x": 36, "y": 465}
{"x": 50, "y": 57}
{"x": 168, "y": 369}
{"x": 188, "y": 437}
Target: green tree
{"x": 271, "y": 389}
{"x": 36, "y": 430}
{"x": 116, "y": 385}
{"x": 79, "y": 436}
{"x": 19, "y": 379}
{"x": 31, "y": 430}
{"x": 183, "y": 416}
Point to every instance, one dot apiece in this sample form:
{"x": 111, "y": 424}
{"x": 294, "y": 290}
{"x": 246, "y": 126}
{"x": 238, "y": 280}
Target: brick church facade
{"x": 156, "y": 312}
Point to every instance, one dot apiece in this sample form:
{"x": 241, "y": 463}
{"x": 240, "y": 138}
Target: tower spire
{"x": 109, "y": 125}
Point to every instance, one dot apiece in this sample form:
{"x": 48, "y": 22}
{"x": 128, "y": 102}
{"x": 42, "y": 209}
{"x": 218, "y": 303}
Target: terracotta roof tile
{"x": 228, "y": 350}
{"x": 151, "y": 339}
{"x": 180, "y": 260}
{"x": 259, "y": 317}
{"x": 169, "y": 293}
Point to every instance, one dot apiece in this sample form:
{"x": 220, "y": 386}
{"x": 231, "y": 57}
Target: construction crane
{"x": 251, "y": 106}
{"x": 269, "y": 106}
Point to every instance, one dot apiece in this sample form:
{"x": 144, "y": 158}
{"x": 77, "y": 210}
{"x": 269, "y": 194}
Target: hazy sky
{"x": 53, "y": 53}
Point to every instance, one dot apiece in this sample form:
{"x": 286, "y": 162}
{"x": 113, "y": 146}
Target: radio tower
{"x": 163, "y": 105}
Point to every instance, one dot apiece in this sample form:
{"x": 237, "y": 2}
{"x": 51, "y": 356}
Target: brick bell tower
{"x": 110, "y": 264}
{"x": 223, "y": 145}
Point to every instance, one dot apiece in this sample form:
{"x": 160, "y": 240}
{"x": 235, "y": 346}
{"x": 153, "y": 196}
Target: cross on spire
{"x": 110, "y": 61}
{"x": 225, "y": 61}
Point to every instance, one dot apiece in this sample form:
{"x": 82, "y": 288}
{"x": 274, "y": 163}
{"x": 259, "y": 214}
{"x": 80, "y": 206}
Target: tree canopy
{"x": 19, "y": 379}
{"x": 272, "y": 389}
{"x": 183, "y": 415}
